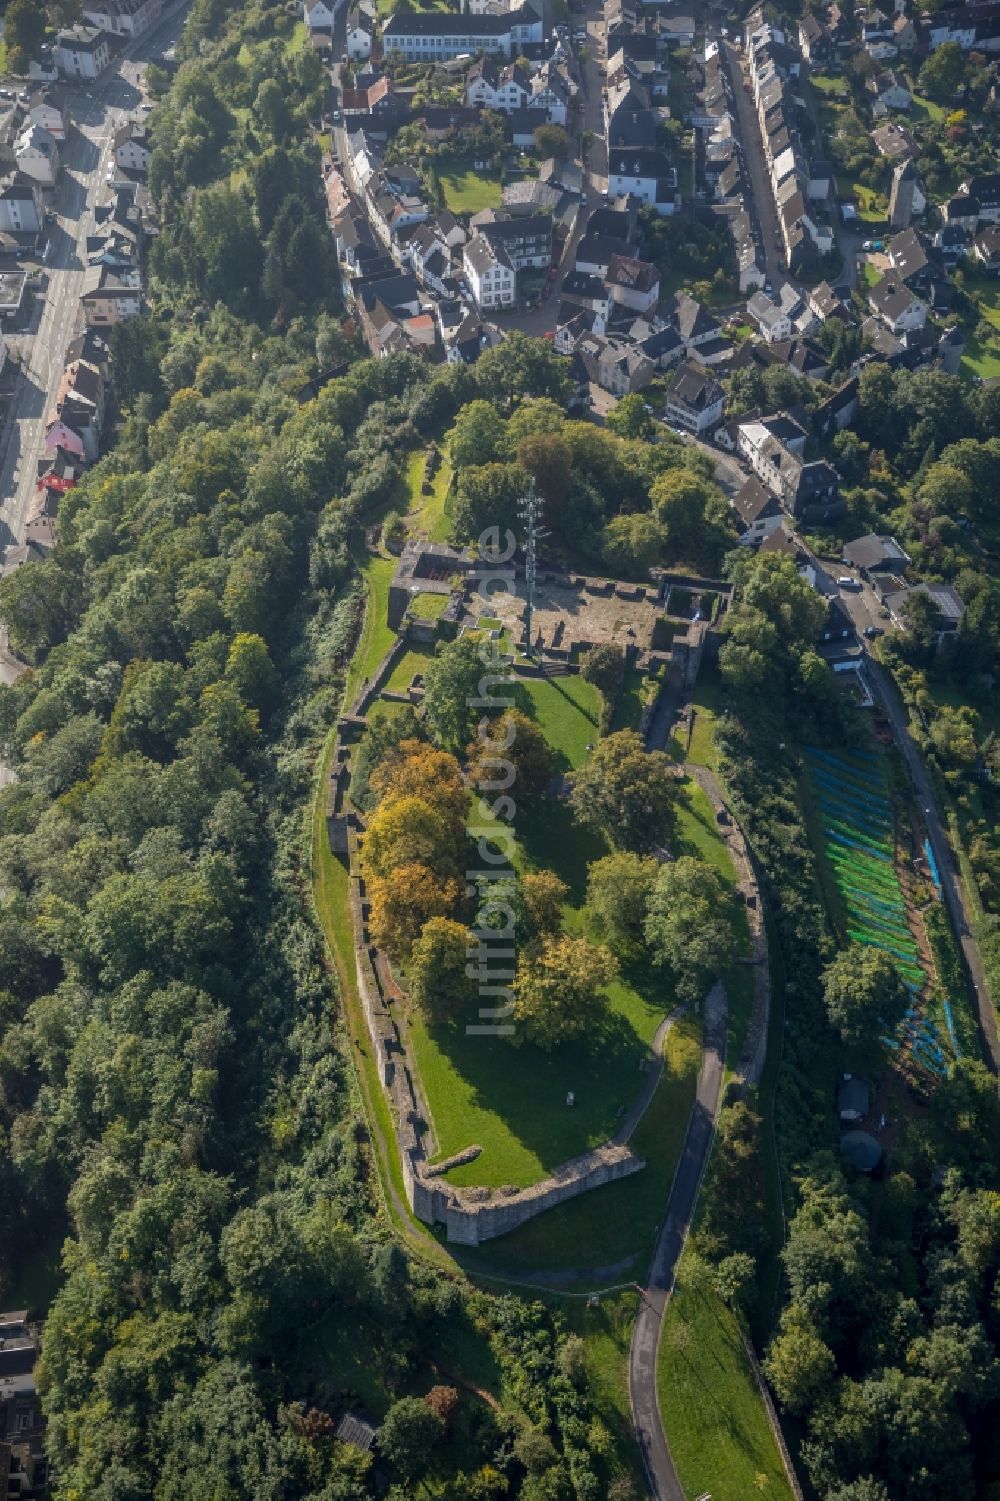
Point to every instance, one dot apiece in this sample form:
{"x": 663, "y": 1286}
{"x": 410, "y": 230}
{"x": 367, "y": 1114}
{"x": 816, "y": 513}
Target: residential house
{"x": 429, "y": 36}
{"x": 696, "y": 326}
{"x": 904, "y": 34}
{"x": 131, "y": 147}
{"x": 360, "y": 34}
{"x": 81, "y": 52}
{"x": 695, "y": 400}
{"x": 876, "y": 556}
{"x": 595, "y": 253}
{"x": 23, "y": 1468}
{"x": 616, "y": 365}
{"x": 771, "y": 319}
{"x": 906, "y": 197}
{"x": 986, "y": 248}
{"x": 526, "y": 241}
{"x": 21, "y": 209}
{"x": 488, "y": 86}
{"x": 947, "y": 602}
{"x": 645, "y": 173}
{"x": 123, "y": 18}
{"x": 79, "y": 403}
{"x": 108, "y": 299}
{"x": 634, "y": 284}
{"x": 47, "y": 107}
{"x": 892, "y": 301}
{"x": 888, "y": 91}
{"x": 37, "y": 155}
{"x": 463, "y": 334}
{"x": 814, "y": 40}
{"x": 984, "y": 191}
{"x": 774, "y": 447}
{"x": 893, "y": 140}
{"x": 758, "y": 512}
{"x": 490, "y": 273}
{"x": 825, "y": 304}
{"x": 319, "y": 15}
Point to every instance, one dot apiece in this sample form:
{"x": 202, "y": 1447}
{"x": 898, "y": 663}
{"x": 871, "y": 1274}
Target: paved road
{"x": 660, "y": 1473}
{"x": 755, "y": 165}
{"x": 85, "y": 156}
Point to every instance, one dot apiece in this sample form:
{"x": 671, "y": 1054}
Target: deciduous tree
{"x": 626, "y": 793}
{"x": 691, "y": 926}
{"x": 559, "y": 992}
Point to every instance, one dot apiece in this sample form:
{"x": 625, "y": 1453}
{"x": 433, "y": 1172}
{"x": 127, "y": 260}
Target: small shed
{"x": 861, "y": 1150}
{"x": 357, "y": 1429}
{"x": 852, "y": 1098}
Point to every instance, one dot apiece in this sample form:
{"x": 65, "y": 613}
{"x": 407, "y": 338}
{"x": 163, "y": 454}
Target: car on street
{"x": 873, "y": 632}
{"x": 849, "y": 585}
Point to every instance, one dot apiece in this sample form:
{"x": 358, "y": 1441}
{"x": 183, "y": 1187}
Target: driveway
{"x": 660, "y": 1473}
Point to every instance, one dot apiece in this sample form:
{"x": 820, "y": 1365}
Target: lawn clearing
{"x": 468, "y": 190}
{"x": 620, "y": 1220}
{"x": 568, "y": 711}
{"x": 830, "y": 87}
{"x": 511, "y": 1100}
{"x": 413, "y": 661}
{"x": 715, "y": 1420}
{"x": 376, "y": 633}
{"x": 427, "y": 515}
{"x": 707, "y": 703}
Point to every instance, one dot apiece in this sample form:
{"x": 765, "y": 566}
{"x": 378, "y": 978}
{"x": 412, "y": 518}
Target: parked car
{"x": 873, "y": 631}
{"x": 849, "y": 585}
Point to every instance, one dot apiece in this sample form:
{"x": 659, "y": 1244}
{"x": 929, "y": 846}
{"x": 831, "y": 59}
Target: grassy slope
{"x": 715, "y": 1420}
{"x": 568, "y": 712}
{"x": 620, "y": 1220}
{"x": 376, "y": 634}
{"x": 606, "y": 1329}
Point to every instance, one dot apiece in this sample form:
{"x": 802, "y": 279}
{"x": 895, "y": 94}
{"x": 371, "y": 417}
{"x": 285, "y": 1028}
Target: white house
{"x": 46, "y": 108}
{"x": 360, "y": 32}
{"x": 125, "y": 18}
{"x": 21, "y": 209}
{"x": 81, "y": 52}
{"x": 37, "y": 155}
{"x": 106, "y": 300}
{"x": 131, "y": 146}
{"x": 491, "y": 277}
{"x": 634, "y": 284}
{"x": 318, "y": 15}
{"x": 695, "y": 400}
{"x": 893, "y": 302}
{"x": 646, "y": 173}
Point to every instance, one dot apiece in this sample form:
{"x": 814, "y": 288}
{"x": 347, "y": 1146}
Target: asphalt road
{"x": 761, "y": 206}
{"x": 660, "y": 1473}
{"x": 95, "y": 113}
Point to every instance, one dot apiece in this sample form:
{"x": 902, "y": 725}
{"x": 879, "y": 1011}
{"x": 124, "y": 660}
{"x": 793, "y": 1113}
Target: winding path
{"x": 659, "y": 1466}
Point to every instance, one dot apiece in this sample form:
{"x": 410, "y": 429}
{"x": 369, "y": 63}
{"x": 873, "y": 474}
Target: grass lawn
{"x": 924, "y": 109}
{"x": 872, "y": 206}
{"x": 981, "y": 359}
{"x": 467, "y": 191}
{"x": 715, "y": 1420}
{"x": 707, "y": 701}
{"x": 427, "y": 606}
{"x": 699, "y": 832}
{"x": 568, "y": 712}
{"x": 427, "y": 515}
{"x": 621, "y": 1219}
{"x": 410, "y": 663}
{"x": 376, "y": 634}
{"x": 831, "y": 88}
{"x": 870, "y": 274}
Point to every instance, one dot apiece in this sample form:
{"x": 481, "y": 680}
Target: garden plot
{"x": 860, "y": 847}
